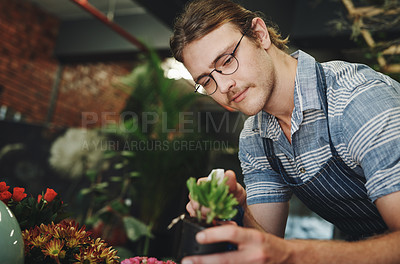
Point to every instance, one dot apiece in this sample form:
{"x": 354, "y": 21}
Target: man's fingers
{"x": 227, "y": 223}
{"x": 189, "y": 209}
{"x": 231, "y": 182}
{"x": 192, "y": 206}
{"x": 226, "y": 233}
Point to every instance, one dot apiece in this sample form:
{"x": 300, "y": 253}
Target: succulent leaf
{"x": 213, "y": 194}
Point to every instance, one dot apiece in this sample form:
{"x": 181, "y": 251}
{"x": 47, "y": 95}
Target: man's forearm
{"x": 381, "y": 249}
{"x": 250, "y": 221}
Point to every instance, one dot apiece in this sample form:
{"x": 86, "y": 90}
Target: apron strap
{"x": 324, "y": 100}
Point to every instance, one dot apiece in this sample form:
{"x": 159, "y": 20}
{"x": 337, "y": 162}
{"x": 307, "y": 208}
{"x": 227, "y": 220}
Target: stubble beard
{"x": 260, "y": 95}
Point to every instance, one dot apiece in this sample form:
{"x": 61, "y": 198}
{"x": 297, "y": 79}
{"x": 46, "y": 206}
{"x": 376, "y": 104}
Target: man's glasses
{"x": 226, "y": 64}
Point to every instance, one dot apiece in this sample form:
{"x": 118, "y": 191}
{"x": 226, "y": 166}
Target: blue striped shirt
{"x": 364, "y": 123}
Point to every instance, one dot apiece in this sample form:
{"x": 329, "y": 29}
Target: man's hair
{"x": 200, "y": 17}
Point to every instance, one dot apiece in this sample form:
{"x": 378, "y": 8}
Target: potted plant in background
{"x": 214, "y": 195}
{"x": 157, "y": 132}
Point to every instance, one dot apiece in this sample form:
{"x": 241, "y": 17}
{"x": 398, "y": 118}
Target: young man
{"x": 330, "y": 134}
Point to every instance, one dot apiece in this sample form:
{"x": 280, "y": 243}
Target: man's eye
{"x": 206, "y": 82}
{"x": 227, "y": 61}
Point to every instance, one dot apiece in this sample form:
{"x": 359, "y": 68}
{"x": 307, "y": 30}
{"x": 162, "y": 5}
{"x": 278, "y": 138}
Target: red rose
{"x": 39, "y": 198}
{"x": 3, "y": 187}
{"x": 50, "y": 195}
{"x": 18, "y": 194}
{"x": 5, "y": 196}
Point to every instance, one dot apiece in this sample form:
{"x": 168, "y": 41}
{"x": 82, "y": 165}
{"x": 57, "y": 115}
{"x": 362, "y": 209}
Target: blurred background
{"x": 93, "y": 106}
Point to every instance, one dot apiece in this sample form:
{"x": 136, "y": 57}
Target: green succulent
{"x": 213, "y": 194}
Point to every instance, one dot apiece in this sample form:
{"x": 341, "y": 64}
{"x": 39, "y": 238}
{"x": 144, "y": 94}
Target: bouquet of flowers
{"x": 65, "y": 242}
{"x": 47, "y": 237}
{"x": 31, "y": 211}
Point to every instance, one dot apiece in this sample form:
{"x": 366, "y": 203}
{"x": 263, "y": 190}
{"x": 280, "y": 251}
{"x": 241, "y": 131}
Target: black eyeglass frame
{"x": 197, "y": 85}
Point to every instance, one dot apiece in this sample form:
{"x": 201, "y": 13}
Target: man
{"x": 327, "y": 133}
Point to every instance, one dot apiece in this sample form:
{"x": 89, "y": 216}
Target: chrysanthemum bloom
{"x": 109, "y": 255}
{"x": 37, "y": 238}
{"x": 97, "y": 252}
{"x": 63, "y": 240}
{"x": 53, "y": 248}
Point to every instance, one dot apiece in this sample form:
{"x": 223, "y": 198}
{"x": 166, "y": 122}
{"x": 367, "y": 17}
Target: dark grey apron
{"x": 335, "y": 193}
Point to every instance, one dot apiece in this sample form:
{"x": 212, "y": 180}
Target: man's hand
{"x": 234, "y": 187}
{"x": 253, "y": 246}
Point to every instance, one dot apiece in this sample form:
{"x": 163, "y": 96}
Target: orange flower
{"x": 50, "y": 195}
{"x": 3, "y": 187}
{"x": 5, "y": 196}
{"x": 39, "y": 198}
{"x": 18, "y": 194}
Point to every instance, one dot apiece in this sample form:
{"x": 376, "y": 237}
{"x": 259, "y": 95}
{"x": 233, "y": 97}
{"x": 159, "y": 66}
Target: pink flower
{"x": 145, "y": 260}
{"x": 152, "y": 261}
{"x": 135, "y": 260}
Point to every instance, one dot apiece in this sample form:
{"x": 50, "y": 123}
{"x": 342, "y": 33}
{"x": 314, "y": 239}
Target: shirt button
{"x": 302, "y": 170}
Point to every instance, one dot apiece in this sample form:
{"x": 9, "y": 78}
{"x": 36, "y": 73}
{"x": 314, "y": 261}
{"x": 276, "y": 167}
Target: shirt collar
{"x": 266, "y": 125}
{"x": 305, "y": 92}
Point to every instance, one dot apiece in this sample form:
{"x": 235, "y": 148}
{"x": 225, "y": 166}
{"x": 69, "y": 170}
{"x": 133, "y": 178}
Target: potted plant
{"x": 214, "y": 195}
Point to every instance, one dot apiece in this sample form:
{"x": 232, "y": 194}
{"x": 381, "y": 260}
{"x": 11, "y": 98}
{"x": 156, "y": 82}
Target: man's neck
{"x": 281, "y": 102}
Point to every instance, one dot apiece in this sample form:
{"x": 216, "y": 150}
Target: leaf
{"x": 91, "y": 174}
{"x": 215, "y": 196}
{"x": 115, "y": 178}
{"x": 128, "y": 154}
{"x": 86, "y": 191}
{"x": 135, "y": 228}
{"x": 31, "y": 202}
{"x": 119, "y": 166}
{"x": 134, "y": 174}
{"x": 109, "y": 154}
{"x": 120, "y": 207}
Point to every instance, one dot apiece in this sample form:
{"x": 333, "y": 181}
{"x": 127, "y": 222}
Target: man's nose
{"x": 225, "y": 82}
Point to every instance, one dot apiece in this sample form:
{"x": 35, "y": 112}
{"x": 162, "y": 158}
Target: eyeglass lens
{"x": 225, "y": 65}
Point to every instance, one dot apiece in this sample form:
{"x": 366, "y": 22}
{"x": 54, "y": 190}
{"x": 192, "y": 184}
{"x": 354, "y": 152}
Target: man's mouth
{"x": 240, "y": 96}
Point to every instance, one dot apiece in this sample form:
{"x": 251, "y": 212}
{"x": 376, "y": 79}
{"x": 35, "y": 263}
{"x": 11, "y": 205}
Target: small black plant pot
{"x": 188, "y": 243}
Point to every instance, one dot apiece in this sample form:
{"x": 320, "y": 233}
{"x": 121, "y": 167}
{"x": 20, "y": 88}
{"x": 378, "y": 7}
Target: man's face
{"x": 249, "y": 88}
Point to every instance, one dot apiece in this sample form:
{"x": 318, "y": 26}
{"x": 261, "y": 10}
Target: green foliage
{"x": 215, "y": 196}
{"x": 156, "y": 100}
{"x": 157, "y": 104}
{"x": 136, "y": 229}
{"x": 108, "y": 194}
{"x": 30, "y": 212}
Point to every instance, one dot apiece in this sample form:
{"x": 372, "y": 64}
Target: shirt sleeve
{"x": 371, "y": 132}
{"x": 263, "y": 185}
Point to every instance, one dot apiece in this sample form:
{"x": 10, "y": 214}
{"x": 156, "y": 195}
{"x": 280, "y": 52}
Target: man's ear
{"x": 261, "y": 31}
